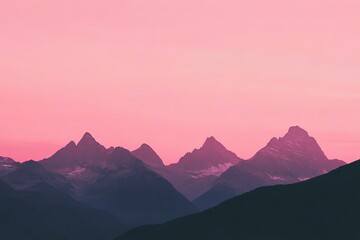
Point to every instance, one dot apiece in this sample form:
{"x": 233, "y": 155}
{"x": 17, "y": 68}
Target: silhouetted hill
{"x": 325, "y": 207}
{"x": 38, "y": 216}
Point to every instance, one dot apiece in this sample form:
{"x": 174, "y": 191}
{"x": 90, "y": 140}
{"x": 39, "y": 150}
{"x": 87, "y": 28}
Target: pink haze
{"x": 171, "y": 73}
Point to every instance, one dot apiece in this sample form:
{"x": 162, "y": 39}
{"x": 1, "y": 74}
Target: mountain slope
{"x": 35, "y": 216}
{"x": 292, "y": 158}
{"x": 134, "y": 193}
{"x": 325, "y": 207}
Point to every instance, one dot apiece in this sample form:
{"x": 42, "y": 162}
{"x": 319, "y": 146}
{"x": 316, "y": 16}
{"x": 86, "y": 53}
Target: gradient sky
{"x": 173, "y": 72}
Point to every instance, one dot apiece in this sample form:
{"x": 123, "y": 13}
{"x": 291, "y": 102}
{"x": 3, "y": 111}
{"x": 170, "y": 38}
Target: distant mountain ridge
{"x": 116, "y": 181}
{"x": 137, "y": 188}
{"x": 292, "y": 158}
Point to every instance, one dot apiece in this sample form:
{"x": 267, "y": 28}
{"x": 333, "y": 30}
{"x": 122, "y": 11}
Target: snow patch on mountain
{"x": 7, "y": 165}
{"x": 75, "y": 172}
{"x": 275, "y": 177}
{"x": 303, "y": 179}
{"x": 212, "y": 171}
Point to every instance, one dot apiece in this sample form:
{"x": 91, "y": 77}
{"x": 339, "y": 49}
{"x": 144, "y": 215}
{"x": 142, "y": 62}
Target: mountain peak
{"x": 297, "y": 144}
{"x": 211, "y": 141}
{"x": 146, "y": 154}
{"x": 145, "y": 146}
{"x": 120, "y": 151}
{"x": 298, "y": 132}
{"x": 87, "y": 139}
{"x": 71, "y": 144}
{"x": 121, "y": 158}
{"x": 211, "y": 154}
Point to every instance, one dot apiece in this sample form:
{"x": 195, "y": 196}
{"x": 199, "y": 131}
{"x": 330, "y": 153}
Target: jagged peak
{"x": 272, "y": 141}
{"x": 87, "y": 136}
{"x": 120, "y": 152}
{"x": 145, "y": 146}
{"x": 121, "y": 157}
{"x": 87, "y": 139}
{"x": 71, "y": 144}
{"x": 294, "y": 134}
{"x": 296, "y": 131}
{"x": 211, "y": 141}
{"x": 147, "y": 154}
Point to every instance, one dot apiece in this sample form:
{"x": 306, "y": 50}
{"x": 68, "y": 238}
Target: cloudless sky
{"x": 173, "y": 72}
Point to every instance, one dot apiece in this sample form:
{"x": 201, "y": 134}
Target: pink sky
{"x": 171, "y": 73}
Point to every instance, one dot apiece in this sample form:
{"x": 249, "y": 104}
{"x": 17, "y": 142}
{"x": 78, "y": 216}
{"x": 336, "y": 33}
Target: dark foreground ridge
{"x": 325, "y": 207}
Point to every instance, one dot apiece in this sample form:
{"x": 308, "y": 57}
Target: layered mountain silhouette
{"x": 116, "y": 181}
{"x": 292, "y": 158}
{"x": 87, "y": 191}
{"x": 42, "y": 215}
{"x": 325, "y": 207}
{"x": 134, "y": 193}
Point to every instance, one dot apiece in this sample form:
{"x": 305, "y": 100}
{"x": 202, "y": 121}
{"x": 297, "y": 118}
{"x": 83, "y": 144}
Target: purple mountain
{"x": 146, "y": 154}
{"x": 72, "y": 157}
{"x": 116, "y": 181}
{"x": 196, "y": 171}
{"x": 211, "y": 155}
{"x": 292, "y": 158}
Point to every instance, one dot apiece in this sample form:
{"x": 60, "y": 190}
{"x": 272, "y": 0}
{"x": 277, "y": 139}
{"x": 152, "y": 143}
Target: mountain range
{"x": 289, "y": 159}
{"x": 125, "y": 189}
{"x": 116, "y": 181}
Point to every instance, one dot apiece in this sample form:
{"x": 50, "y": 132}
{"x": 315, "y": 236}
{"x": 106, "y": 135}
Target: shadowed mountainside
{"x": 325, "y": 207}
{"x": 42, "y": 216}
